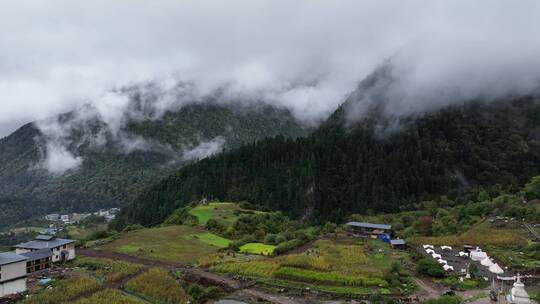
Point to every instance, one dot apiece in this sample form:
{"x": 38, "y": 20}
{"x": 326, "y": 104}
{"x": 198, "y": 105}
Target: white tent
{"x": 436, "y": 256}
{"x": 486, "y": 262}
{"x": 428, "y": 246}
{"x": 495, "y": 268}
{"x": 463, "y": 254}
{"x": 478, "y": 255}
{"x": 448, "y": 267}
{"x": 446, "y": 248}
{"x": 430, "y": 251}
{"x": 441, "y": 261}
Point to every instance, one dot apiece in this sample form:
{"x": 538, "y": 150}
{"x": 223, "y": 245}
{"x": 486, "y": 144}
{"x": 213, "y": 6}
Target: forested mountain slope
{"x": 112, "y": 171}
{"x": 346, "y": 167}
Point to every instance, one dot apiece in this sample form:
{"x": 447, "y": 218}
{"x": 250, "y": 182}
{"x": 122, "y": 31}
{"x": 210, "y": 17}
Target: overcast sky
{"x": 306, "y": 55}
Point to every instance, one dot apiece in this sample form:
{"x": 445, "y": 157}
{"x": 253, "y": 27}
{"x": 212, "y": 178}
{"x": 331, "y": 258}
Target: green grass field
{"x": 171, "y": 243}
{"x": 225, "y": 213}
{"x": 212, "y": 239}
{"x": 258, "y": 248}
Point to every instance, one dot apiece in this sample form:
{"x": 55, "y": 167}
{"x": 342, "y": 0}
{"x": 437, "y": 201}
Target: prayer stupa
{"x": 518, "y": 295}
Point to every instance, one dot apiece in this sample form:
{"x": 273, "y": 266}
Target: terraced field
{"x": 334, "y": 267}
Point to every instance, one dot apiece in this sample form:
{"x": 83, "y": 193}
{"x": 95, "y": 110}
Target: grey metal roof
{"x": 370, "y": 225}
{"x": 44, "y": 237}
{"x": 397, "y": 242}
{"x": 10, "y": 257}
{"x": 38, "y": 254}
{"x": 37, "y": 244}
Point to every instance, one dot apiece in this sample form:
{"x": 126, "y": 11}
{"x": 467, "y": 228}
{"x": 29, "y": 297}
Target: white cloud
{"x": 58, "y": 159}
{"x": 304, "y": 54}
{"x": 204, "y": 149}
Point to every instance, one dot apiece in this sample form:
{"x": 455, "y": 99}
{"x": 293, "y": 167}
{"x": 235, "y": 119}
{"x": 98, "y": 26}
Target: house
{"x": 370, "y": 230}
{"x": 12, "y": 273}
{"x": 398, "y": 244}
{"x": 52, "y": 217}
{"x": 62, "y": 249}
{"x": 38, "y": 260}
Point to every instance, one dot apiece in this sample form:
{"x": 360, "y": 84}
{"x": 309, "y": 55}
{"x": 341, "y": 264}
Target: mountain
{"x": 378, "y": 163}
{"x": 75, "y": 162}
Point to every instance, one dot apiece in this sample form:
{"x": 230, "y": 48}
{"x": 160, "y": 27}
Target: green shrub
{"x": 430, "y": 267}
{"x": 133, "y": 228}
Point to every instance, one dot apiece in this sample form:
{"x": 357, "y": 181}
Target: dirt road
{"x": 425, "y": 290}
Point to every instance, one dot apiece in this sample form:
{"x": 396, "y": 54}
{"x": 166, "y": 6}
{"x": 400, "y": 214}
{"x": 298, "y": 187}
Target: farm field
{"x": 258, "y": 248}
{"x": 179, "y": 244}
{"x": 482, "y": 234}
{"x": 158, "y": 286}
{"x": 330, "y": 266}
{"x": 224, "y": 213}
{"x": 106, "y": 270}
{"x": 65, "y": 291}
{"x": 109, "y": 296}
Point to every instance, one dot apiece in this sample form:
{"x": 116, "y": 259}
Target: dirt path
{"x": 426, "y": 291}
{"x": 271, "y": 298}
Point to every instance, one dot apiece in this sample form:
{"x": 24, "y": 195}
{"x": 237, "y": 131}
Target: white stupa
{"x": 518, "y": 295}
{"x": 486, "y": 262}
{"x": 495, "y": 268}
{"x": 478, "y": 255}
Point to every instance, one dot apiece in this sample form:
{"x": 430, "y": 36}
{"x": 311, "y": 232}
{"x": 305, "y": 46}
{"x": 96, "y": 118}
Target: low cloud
{"x": 204, "y": 149}
{"x": 303, "y": 55}
{"x": 58, "y": 159}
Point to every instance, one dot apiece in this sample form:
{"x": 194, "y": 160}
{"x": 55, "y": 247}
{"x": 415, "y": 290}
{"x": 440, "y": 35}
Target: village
{"x": 35, "y": 266}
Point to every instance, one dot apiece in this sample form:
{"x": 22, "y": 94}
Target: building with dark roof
{"x": 398, "y": 243}
{"x": 62, "y": 249}
{"x": 370, "y": 230}
{"x": 12, "y": 273}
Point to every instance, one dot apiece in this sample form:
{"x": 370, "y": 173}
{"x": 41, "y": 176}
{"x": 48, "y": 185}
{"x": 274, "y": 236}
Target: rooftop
{"x": 38, "y": 254}
{"x": 41, "y": 244}
{"x": 44, "y": 237}
{"x": 397, "y": 242}
{"x": 369, "y": 225}
{"x": 10, "y": 257}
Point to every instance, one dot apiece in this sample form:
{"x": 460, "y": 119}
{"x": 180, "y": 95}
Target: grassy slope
{"x": 172, "y": 243}
{"x": 212, "y": 239}
{"x": 225, "y": 213}
{"x": 482, "y": 234}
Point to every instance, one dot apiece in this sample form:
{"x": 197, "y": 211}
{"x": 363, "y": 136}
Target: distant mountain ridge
{"x": 109, "y": 172}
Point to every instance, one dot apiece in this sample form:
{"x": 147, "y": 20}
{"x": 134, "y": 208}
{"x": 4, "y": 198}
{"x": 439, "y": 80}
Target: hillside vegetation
{"x": 366, "y": 167}
{"x": 109, "y": 174}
